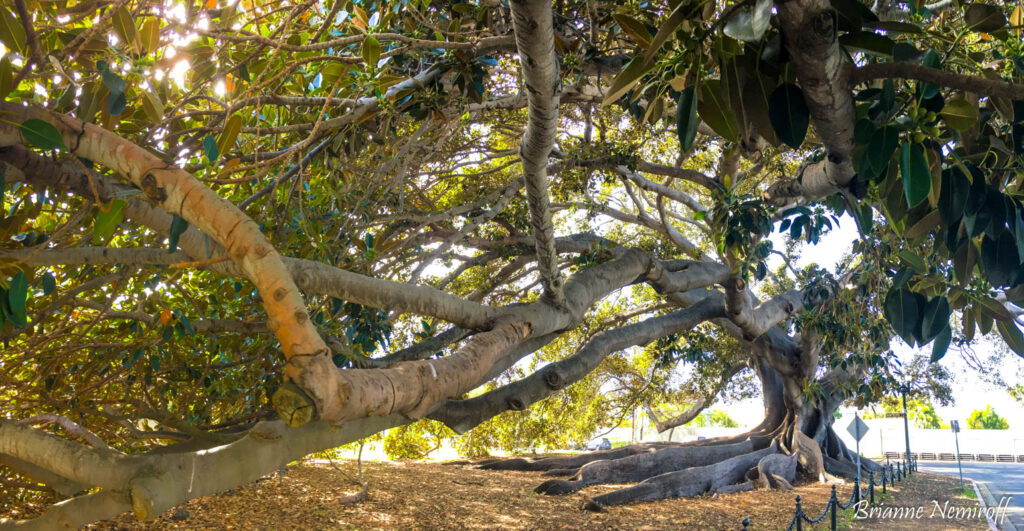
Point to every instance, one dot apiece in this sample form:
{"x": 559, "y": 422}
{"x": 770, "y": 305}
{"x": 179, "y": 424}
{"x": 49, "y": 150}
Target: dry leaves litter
{"x": 418, "y": 495}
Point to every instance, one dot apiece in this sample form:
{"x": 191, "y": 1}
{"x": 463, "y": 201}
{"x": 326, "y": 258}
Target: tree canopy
{"x": 986, "y": 419}
{"x": 273, "y": 228}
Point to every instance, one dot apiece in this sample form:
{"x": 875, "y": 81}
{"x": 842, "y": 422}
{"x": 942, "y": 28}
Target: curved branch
{"x": 178, "y": 192}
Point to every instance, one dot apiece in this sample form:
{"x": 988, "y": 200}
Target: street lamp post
{"x": 904, "y": 389}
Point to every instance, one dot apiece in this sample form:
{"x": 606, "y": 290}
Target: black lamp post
{"x": 904, "y": 389}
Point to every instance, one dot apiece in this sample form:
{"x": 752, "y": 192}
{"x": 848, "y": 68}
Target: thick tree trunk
{"x": 793, "y": 436}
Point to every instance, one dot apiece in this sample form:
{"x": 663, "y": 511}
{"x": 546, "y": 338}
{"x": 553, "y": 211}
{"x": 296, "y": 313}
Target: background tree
{"x": 714, "y": 418}
{"x": 274, "y": 229}
{"x": 986, "y": 419}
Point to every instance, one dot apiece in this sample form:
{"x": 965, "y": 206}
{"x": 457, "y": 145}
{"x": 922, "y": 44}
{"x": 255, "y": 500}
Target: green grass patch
{"x": 968, "y": 492}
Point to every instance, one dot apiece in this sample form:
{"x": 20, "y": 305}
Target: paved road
{"x": 1002, "y": 479}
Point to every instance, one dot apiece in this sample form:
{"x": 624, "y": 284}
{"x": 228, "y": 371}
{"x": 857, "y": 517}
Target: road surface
{"x": 1002, "y": 479}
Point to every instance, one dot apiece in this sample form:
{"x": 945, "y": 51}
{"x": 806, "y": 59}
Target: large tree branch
{"x": 178, "y": 192}
{"x": 996, "y": 88}
{"x": 535, "y": 40}
{"x": 462, "y": 415}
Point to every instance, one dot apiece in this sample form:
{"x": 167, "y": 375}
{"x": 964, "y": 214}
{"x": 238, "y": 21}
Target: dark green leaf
{"x": 881, "y": 147}
{"x": 953, "y": 195}
{"x": 999, "y": 259}
{"x": 686, "y": 118}
{"x": 49, "y": 283}
{"x": 715, "y": 111}
{"x": 116, "y": 104}
{"x": 984, "y": 18}
{"x": 1012, "y": 335}
{"x": 868, "y": 42}
{"x": 210, "y": 148}
{"x": 935, "y": 319}
{"x": 17, "y": 297}
{"x": 941, "y": 344}
{"x": 178, "y": 227}
{"x": 903, "y": 313}
{"x": 789, "y": 114}
{"x": 917, "y": 178}
{"x": 42, "y": 135}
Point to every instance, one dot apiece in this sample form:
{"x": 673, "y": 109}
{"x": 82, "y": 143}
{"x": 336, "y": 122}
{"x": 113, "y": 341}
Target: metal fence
{"x": 891, "y": 473}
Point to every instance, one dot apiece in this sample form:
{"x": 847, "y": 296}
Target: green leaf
{"x": 230, "y": 133}
{"x": 1012, "y": 335}
{"x": 959, "y": 114}
{"x": 682, "y": 11}
{"x": 178, "y": 227}
{"x": 371, "y": 50}
{"x": 999, "y": 259}
{"x": 686, "y": 118}
{"x": 903, "y": 313}
{"x": 153, "y": 107}
{"x": 125, "y": 28}
{"x": 882, "y": 145}
{"x": 634, "y": 28}
{"x": 106, "y": 222}
{"x": 49, "y": 283}
{"x": 984, "y": 18}
{"x": 114, "y": 83}
{"x": 6, "y": 76}
{"x": 935, "y": 319}
{"x": 789, "y": 114}
{"x": 995, "y": 309}
{"x": 914, "y": 261}
{"x": 715, "y": 112}
{"x": 210, "y": 148}
{"x": 12, "y": 33}
{"x": 17, "y": 297}
{"x": 870, "y": 43}
{"x": 756, "y": 104}
{"x": 953, "y": 195}
{"x": 630, "y": 75}
{"x": 116, "y": 103}
{"x": 41, "y": 134}
{"x": 917, "y": 178}
{"x": 941, "y": 344}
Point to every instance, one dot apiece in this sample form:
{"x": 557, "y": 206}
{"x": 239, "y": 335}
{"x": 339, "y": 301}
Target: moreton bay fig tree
{"x": 274, "y": 228}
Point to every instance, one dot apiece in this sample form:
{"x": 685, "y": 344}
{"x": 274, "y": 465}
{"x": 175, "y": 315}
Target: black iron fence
{"x": 891, "y": 473}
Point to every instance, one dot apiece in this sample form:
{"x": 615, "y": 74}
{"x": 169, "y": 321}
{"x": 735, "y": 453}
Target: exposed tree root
{"x": 685, "y": 483}
{"x": 571, "y": 462}
{"x": 641, "y": 466}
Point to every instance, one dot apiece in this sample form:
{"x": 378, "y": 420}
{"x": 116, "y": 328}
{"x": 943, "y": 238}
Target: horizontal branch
{"x": 996, "y": 88}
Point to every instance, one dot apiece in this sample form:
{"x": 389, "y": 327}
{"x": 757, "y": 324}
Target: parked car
{"x": 599, "y": 444}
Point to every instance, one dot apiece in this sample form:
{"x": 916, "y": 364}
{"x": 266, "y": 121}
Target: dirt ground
{"x": 414, "y": 495}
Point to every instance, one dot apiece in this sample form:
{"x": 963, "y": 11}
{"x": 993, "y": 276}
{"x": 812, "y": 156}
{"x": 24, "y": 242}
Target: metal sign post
{"x": 955, "y": 426}
{"x": 858, "y": 429}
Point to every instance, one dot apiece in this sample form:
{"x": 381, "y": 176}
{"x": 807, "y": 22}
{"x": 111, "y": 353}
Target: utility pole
{"x": 904, "y": 389}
